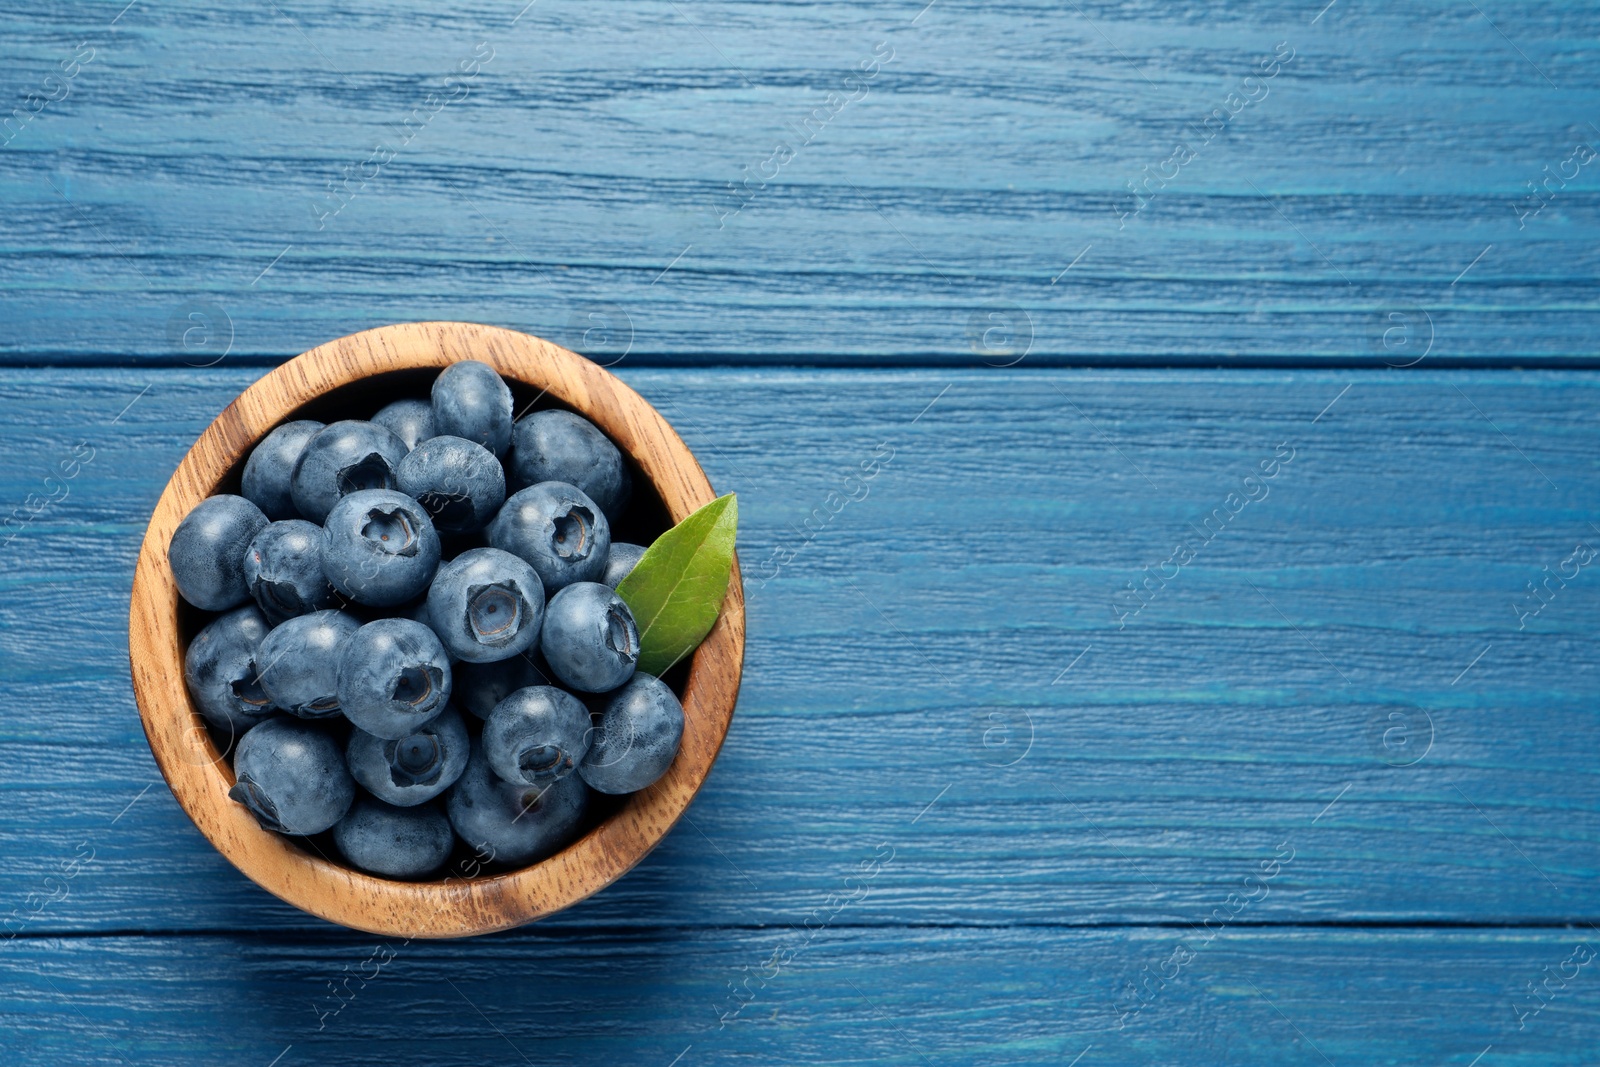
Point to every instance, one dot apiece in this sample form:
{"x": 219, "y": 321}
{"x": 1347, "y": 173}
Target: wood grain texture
{"x": 841, "y": 995}
{"x": 578, "y": 184}
{"x": 900, "y": 662}
{"x": 1371, "y": 207}
{"x": 200, "y": 778}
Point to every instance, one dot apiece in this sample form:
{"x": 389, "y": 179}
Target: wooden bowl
{"x": 199, "y": 775}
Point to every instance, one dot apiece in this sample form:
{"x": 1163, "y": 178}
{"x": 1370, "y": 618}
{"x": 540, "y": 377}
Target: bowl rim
{"x": 200, "y": 777}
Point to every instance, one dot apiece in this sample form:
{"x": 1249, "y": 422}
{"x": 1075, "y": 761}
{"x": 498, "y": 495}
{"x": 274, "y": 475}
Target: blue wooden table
{"x": 1206, "y": 674}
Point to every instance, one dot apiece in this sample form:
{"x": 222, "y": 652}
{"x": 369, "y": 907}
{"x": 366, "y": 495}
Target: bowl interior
{"x": 353, "y": 378}
{"x": 644, "y": 520}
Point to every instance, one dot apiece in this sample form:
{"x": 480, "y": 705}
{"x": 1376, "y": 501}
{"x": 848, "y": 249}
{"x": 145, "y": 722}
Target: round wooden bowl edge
{"x": 200, "y": 777}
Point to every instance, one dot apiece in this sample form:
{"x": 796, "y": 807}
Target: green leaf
{"x": 675, "y": 591}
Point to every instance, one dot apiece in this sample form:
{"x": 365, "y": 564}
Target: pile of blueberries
{"x": 348, "y": 641}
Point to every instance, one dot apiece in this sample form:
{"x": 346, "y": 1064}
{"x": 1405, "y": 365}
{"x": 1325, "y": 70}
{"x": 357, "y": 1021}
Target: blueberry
{"x": 470, "y": 400}
{"x": 620, "y": 563}
{"x": 486, "y": 605}
{"x": 558, "y": 446}
{"x": 220, "y": 669}
{"x": 394, "y": 842}
{"x": 478, "y": 687}
{"x": 379, "y": 547}
{"x": 299, "y": 662}
{"x": 415, "y": 768}
{"x": 409, "y": 420}
{"x": 268, "y": 471}
{"x": 394, "y": 678}
{"x": 207, "y": 551}
{"x": 560, "y": 532}
{"x": 460, "y": 483}
{"x": 283, "y": 568}
{"x": 343, "y": 458}
{"x": 536, "y": 733}
{"x": 589, "y": 638}
{"x": 514, "y": 824}
{"x": 637, "y": 737}
{"x": 292, "y": 777}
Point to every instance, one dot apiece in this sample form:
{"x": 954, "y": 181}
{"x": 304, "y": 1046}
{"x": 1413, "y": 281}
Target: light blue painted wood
{"x": 923, "y": 648}
{"x": 1383, "y": 169}
{"x": 938, "y": 667}
{"x": 844, "y": 995}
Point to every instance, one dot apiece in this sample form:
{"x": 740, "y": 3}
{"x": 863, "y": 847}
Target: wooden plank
{"x": 837, "y": 994}
{"x": 578, "y": 186}
{"x": 917, "y": 673}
